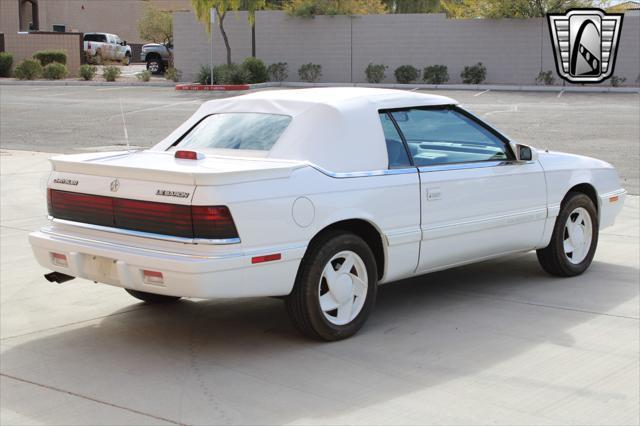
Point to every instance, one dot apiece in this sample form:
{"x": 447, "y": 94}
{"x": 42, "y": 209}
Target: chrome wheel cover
{"x": 343, "y": 286}
{"x": 577, "y": 236}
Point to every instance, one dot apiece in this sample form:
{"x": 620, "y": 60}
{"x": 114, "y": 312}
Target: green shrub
{"x": 310, "y": 72}
{"x": 110, "y": 73}
{"x": 144, "y": 75}
{"x": 375, "y": 73}
{"x": 545, "y": 78}
{"x": 474, "y": 74}
{"x": 55, "y": 71}
{"x": 617, "y": 81}
{"x": 278, "y": 71}
{"x": 29, "y": 69}
{"x": 406, "y": 74}
{"x": 172, "y": 74}
{"x": 87, "y": 72}
{"x": 233, "y": 74}
{"x": 204, "y": 75}
{"x": 257, "y": 70}
{"x": 47, "y": 57}
{"x": 6, "y": 60}
{"x": 435, "y": 74}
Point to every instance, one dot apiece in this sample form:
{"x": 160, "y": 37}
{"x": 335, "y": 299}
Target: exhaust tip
{"x": 57, "y": 277}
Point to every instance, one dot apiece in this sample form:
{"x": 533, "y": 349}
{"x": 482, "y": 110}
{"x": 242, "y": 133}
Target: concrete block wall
{"x": 24, "y": 45}
{"x": 513, "y": 50}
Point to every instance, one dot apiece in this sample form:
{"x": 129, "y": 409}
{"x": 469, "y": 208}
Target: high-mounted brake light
{"x": 189, "y": 155}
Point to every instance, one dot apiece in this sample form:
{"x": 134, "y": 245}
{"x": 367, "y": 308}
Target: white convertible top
{"x": 336, "y": 128}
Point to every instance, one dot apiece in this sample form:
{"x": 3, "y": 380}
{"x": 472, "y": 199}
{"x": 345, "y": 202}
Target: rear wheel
{"x": 574, "y": 239}
{"x": 335, "y": 289}
{"x": 152, "y": 297}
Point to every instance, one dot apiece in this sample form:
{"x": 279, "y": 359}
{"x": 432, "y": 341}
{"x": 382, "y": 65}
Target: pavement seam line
{"x": 110, "y": 404}
{"x": 542, "y": 305}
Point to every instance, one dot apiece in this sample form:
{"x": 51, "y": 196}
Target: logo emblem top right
{"x": 585, "y": 43}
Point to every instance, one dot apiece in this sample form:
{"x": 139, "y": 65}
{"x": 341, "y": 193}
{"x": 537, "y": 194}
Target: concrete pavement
{"x": 498, "y": 342}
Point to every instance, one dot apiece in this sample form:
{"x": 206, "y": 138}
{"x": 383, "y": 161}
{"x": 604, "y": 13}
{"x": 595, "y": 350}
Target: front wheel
{"x": 154, "y": 65}
{"x": 152, "y": 297}
{"x": 127, "y": 59}
{"x": 335, "y": 289}
{"x": 574, "y": 239}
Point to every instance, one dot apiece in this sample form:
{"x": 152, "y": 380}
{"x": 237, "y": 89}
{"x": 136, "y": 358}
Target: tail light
{"x": 89, "y": 45}
{"x": 210, "y": 222}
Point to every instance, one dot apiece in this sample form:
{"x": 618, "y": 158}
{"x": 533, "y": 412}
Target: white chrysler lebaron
{"x": 319, "y": 195}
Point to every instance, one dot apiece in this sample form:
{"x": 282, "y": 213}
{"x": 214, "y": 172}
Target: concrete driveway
{"x": 494, "y": 343}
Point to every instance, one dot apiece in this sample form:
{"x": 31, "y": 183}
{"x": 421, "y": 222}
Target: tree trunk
{"x": 253, "y": 39}
{"x": 224, "y": 37}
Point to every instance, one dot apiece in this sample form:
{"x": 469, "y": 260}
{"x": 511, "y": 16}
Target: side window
{"x": 444, "y": 136}
{"x": 395, "y": 148}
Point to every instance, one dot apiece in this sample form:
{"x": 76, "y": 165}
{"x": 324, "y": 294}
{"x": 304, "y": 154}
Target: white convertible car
{"x": 318, "y": 196}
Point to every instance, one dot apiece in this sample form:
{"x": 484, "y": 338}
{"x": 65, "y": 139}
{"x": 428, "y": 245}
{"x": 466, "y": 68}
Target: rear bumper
{"x": 225, "y": 276}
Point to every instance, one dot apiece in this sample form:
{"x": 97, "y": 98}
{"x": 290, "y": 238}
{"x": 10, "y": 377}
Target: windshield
{"x": 237, "y": 130}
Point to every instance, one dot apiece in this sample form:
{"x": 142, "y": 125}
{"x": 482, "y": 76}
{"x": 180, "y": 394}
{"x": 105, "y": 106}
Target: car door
{"x": 477, "y": 201}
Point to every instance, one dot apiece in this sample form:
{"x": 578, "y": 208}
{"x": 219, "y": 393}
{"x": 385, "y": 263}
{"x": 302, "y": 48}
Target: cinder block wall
{"x": 513, "y": 50}
{"x": 24, "y": 45}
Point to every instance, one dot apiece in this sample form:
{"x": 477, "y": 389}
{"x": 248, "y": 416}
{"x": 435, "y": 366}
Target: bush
{"x": 47, "y": 57}
{"x": 233, "y": 74}
{"x": 310, "y": 72}
{"x": 204, "y": 75}
{"x": 172, "y": 74}
{"x": 55, "y": 71}
{"x": 278, "y": 71}
{"x": 6, "y": 60}
{"x": 474, "y": 74}
{"x": 545, "y": 77}
{"x": 87, "y": 72}
{"x": 28, "y": 69}
{"x": 375, "y": 72}
{"x": 144, "y": 75}
{"x": 257, "y": 70}
{"x": 110, "y": 73}
{"x": 406, "y": 74}
{"x": 617, "y": 81}
{"x": 435, "y": 74}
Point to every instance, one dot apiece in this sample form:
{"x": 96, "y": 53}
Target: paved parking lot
{"x": 498, "y": 342}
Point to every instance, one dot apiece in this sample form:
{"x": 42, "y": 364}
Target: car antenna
{"x": 124, "y": 124}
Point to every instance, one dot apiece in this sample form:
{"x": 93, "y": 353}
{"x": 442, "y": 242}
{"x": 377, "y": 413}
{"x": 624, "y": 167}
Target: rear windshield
{"x": 236, "y": 130}
{"x": 95, "y": 37}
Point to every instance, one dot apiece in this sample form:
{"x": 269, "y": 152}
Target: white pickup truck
{"x": 99, "y": 47}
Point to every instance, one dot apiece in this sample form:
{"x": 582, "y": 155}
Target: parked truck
{"x": 157, "y": 56}
{"x": 100, "y": 47}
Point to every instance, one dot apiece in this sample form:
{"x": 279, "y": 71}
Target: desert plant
{"x": 474, "y": 74}
{"x": 257, "y": 70}
{"x": 47, "y": 57}
{"x": 233, "y": 74}
{"x": 110, "y": 73}
{"x": 55, "y": 71}
{"x": 172, "y": 74}
{"x": 406, "y": 74}
{"x": 204, "y": 75}
{"x": 6, "y": 60}
{"x": 310, "y": 72}
{"x": 29, "y": 69}
{"x": 278, "y": 71}
{"x": 617, "y": 81}
{"x": 144, "y": 75}
{"x": 435, "y": 74}
{"x": 375, "y": 73}
{"x": 87, "y": 72}
{"x": 545, "y": 78}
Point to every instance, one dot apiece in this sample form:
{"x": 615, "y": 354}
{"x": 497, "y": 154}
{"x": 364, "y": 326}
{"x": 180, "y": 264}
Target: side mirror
{"x": 124, "y": 43}
{"x": 524, "y": 152}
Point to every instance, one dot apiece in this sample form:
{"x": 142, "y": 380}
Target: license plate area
{"x": 100, "y": 268}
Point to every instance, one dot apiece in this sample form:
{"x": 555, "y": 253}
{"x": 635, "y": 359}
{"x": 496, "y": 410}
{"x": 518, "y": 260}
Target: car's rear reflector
{"x": 59, "y": 259}
{"x": 152, "y": 277}
{"x": 207, "y": 222}
{"x": 266, "y": 258}
{"x": 189, "y": 155}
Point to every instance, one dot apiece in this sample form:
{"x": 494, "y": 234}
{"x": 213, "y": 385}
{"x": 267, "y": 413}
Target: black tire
{"x": 553, "y": 258}
{"x": 152, "y": 297}
{"x": 303, "y": 304}
{"x": 155, "y": 65}
{"x": 127, "y": 59}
